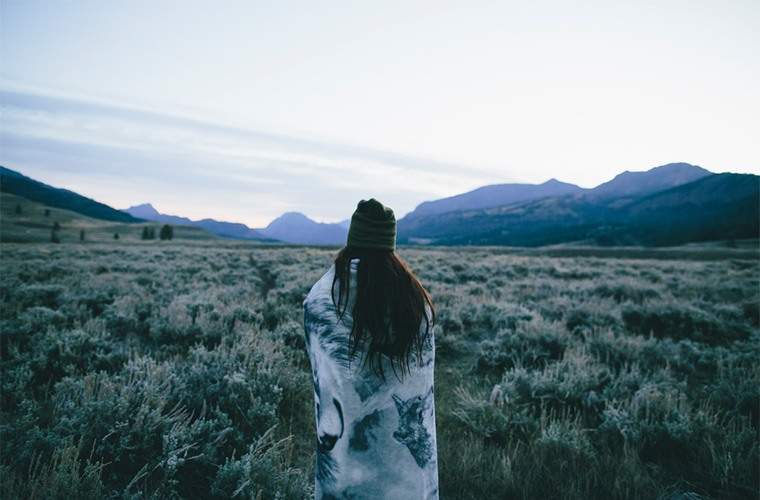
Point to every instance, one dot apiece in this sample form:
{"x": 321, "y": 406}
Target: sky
{"x": 241, "y": 111}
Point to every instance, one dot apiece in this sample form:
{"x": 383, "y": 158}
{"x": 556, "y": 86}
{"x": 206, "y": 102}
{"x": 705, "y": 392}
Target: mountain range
{"x": 666, "y": 205}
{"x": 220, "y": 228}
{"x": 290, "y": 227}
{"x": 493, "y": 196}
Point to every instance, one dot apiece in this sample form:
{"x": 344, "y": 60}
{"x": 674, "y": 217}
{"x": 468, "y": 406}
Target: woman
{"x": 369, "y": 336}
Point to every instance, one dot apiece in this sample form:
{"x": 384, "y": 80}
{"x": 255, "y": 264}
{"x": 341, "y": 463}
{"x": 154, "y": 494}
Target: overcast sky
{"x": 243, "y": 110}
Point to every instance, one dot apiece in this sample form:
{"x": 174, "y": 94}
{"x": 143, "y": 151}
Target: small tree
{"x": 148, "y": 233}
{"x": 56, "y": 226}
{"x": 167, "y": 232}
{"x": 116, "y": 236}
{"x": 54, "y": 236}
{"x": 81, "y": 235}
{"x": 18, "y": 209}
{"x": 47, "y": 212}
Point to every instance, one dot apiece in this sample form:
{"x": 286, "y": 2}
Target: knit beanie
{"x": 372, "y": 226}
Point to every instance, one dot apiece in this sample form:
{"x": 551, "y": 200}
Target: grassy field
{"x": 169, "y": 370}
{"x": 25, "y": 221}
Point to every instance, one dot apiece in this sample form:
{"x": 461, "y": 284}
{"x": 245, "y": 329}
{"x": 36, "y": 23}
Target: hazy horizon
{"x": 246, "y": 112}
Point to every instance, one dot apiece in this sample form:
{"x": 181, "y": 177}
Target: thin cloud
{"x": 47, "y": 133}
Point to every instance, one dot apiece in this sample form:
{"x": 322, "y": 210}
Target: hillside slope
{"x": 720, "y": 206}
{"x": 26, "y": 221}
{"x": 15, "y": 183}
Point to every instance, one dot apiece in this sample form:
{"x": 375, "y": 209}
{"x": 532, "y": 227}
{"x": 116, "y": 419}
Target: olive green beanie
{"x": 372, "y": 226}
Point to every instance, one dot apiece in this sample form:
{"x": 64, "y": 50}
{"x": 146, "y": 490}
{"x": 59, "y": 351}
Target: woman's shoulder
{"x": 321, "y": 289}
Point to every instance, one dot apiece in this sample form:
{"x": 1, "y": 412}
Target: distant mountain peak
{"x": 677, "y": 164}
{"x": 289, "y": 219}
{"x": 555, "y": 182}
{"x": 295, "y": 227}
{"x": 218, "y": 227}
{"x": 293, "y": 216}
{"x": 142, "y": 208}
{"x": 493, "y": 195}
{"x": 670, "y": 168}
{"x": 680, "y": 167}
{"x": 630, "y": 183}
{"x": 144, "y": 205}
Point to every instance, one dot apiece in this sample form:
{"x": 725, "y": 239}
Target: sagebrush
{"x": 161, "y": 370}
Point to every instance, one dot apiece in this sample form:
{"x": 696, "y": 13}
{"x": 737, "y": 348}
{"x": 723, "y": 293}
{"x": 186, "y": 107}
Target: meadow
{"x": 178, "y": 370}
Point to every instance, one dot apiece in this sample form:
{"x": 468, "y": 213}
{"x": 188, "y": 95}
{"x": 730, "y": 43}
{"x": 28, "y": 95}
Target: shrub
{"x": 751, "y": 311}
{"x": 623, "y": 291}
{"x": 495, "y": 424}
{"x": 532, "y": 344}
{"x": 682, "y": 323}
{"x": 587, "y": 318}
{"x": 165, "y": 366}
{"x": 264, "y": 472}
{"x": 64, "y": 476}
{"x": 167, "y": 232}
{"x": 568, "y": 384}
{"x": 563, "y": 443}
{"x": 40, "y": 295}
{"x": 241, "y": 380}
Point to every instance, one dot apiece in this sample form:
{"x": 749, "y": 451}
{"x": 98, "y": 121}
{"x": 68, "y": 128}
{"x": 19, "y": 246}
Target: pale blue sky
{"x": 243, "y": 110}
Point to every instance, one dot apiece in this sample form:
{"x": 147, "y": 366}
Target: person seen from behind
{"x": 369, "y": 336}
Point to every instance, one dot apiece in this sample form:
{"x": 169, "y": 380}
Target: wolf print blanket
{"x": 375, "y": 439}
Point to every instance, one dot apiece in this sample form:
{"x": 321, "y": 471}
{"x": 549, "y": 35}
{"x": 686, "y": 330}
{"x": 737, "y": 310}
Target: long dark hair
{"x": 388, "y": 311}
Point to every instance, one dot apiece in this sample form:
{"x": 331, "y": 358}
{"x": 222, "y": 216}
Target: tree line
{"x": 148, "y": 233}
{"x": 166, "y": 233}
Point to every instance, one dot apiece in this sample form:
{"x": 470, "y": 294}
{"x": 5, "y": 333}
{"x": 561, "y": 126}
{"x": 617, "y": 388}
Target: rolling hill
{"x": 720, "y": 206}
{"x": 26, "y": 221}
{"x": 15, "y": 183}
